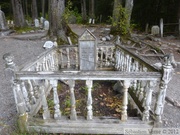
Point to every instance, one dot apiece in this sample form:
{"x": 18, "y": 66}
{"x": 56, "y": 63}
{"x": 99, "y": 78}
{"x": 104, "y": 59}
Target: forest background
{"x": 144, "y": 11}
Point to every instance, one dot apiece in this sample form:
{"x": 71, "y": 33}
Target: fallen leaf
{"x": 118, "y": 110}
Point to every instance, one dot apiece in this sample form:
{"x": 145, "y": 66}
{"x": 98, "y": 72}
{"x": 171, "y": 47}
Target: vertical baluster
{"x": 111, "y": 56}
{"x": 41, "y": 67}
{"x": 138, "y": 87}
{"x": 35, "y": 88}
{"x": 89, "y": 84}
{"x": 50, "y": 64}
{"x": 61, "y": 55}
{"x": 134, "y": 85}
{"x": 68, "y": 58}
{"x": 141, "y": 91}
{"x": 126, "y": 85}
{"x": 76, "y": 54}
{"x": 148, "y": 99}
{"x": 127, "y": 63}
{"x": 73, "y": 100}
{"x": 106, "y": 56}
{"x": 117, "y": 59}
{"x": 44, "y": 65}
{"x": 47, "y": 63}
{"x": 57, "y": 112}
{"x": 122, "y": 61}
{"x": 46, "y": 112}
{"x": 31, "y": 93}
{"x": 25, "y": 94}
{"x": 101, "y": 58}
{"x": 137, "y": 66}
{"x": 37, "y": 66}
{"x": 19, "y": 100}
{"x": 53, "y": 62}
{"x": 97, "y": 56}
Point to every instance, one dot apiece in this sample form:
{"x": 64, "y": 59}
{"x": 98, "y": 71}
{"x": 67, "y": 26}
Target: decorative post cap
{"x": 167, "y": 61}
{"x": 8, "y": 57}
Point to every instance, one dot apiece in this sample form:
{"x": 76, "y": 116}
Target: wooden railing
{"x": 34, "y": 82}
{"x": 69, "y": 56}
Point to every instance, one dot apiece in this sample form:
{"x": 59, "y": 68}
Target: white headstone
{"x": 90, "y": 20}
{"x": 48, "y": 44}
{"x": 41, "y": 20}
{"x": 155, "y": 30}
{"x": 8, "y": 22}
{"x": 87, "y": 51}
{"x": 12, "y": 22}
{"x": 46, "y": 25}
{"x": 36, "y": 22}
{"x": 93, "y": 21}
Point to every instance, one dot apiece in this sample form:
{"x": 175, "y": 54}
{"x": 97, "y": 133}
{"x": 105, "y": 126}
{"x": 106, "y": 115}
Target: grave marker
{"x": 87, "y": 51}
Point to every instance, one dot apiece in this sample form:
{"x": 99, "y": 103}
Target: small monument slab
{"x": 87, "y": 51}
{"x": 36, "y": 22}
{"x": 155, "y": 30}
{"x": 46, "y": 25}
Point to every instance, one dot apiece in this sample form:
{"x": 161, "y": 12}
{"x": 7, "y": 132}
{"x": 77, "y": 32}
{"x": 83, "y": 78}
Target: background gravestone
{"x": 46, "y": 25}
{"x": 3, "y": 24}
{"x": 36, "y": 23}
{"x": 87, "y": 51}
{"x": 155, "y": 30}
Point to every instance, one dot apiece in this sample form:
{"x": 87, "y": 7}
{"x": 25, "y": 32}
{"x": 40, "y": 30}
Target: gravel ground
{"x": 23, "y": 51}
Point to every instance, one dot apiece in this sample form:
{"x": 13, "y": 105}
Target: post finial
{"x": 8, "y": 57}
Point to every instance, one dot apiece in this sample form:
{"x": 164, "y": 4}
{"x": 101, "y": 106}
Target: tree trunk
{"x": 117, "y": 3}
{"x": 91, "y": 9}
{"x": 26, "y": 5}
{"x": 58, "y": 27}
{"x": 34, "y": 10}
{"x": 19, "y": 20}
{"x": 129, "y": 7}
{"x": 83, "y": 11}
{"x": 178, "y": 14}
{"x": 43, "y": 8}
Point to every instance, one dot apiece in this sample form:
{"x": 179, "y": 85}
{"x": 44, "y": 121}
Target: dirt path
{"x": 23, "y": 51}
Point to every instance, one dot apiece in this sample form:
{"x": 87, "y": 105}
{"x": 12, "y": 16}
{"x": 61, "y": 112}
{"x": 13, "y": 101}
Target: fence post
{"x": 161, "y": 27}
{"x": 166, "y": 77}
{"x": 17, "y": 90}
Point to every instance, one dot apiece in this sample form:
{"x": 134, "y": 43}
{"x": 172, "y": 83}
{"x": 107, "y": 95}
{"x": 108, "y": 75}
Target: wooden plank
{"x": 88, "y": 75}
{"x": 80, "y": 126}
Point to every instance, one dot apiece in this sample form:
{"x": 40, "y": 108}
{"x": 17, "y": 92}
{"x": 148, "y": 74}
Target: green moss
{"x": 20, "y": 30}
{"x": 22, "y": 123}
{"x": 120, "y": 25}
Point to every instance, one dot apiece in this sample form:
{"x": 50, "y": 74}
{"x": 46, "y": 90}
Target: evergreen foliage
{"x": 120, "y": 23}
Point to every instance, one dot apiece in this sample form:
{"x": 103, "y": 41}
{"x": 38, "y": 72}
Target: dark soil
{"x": 106, "y": 102}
